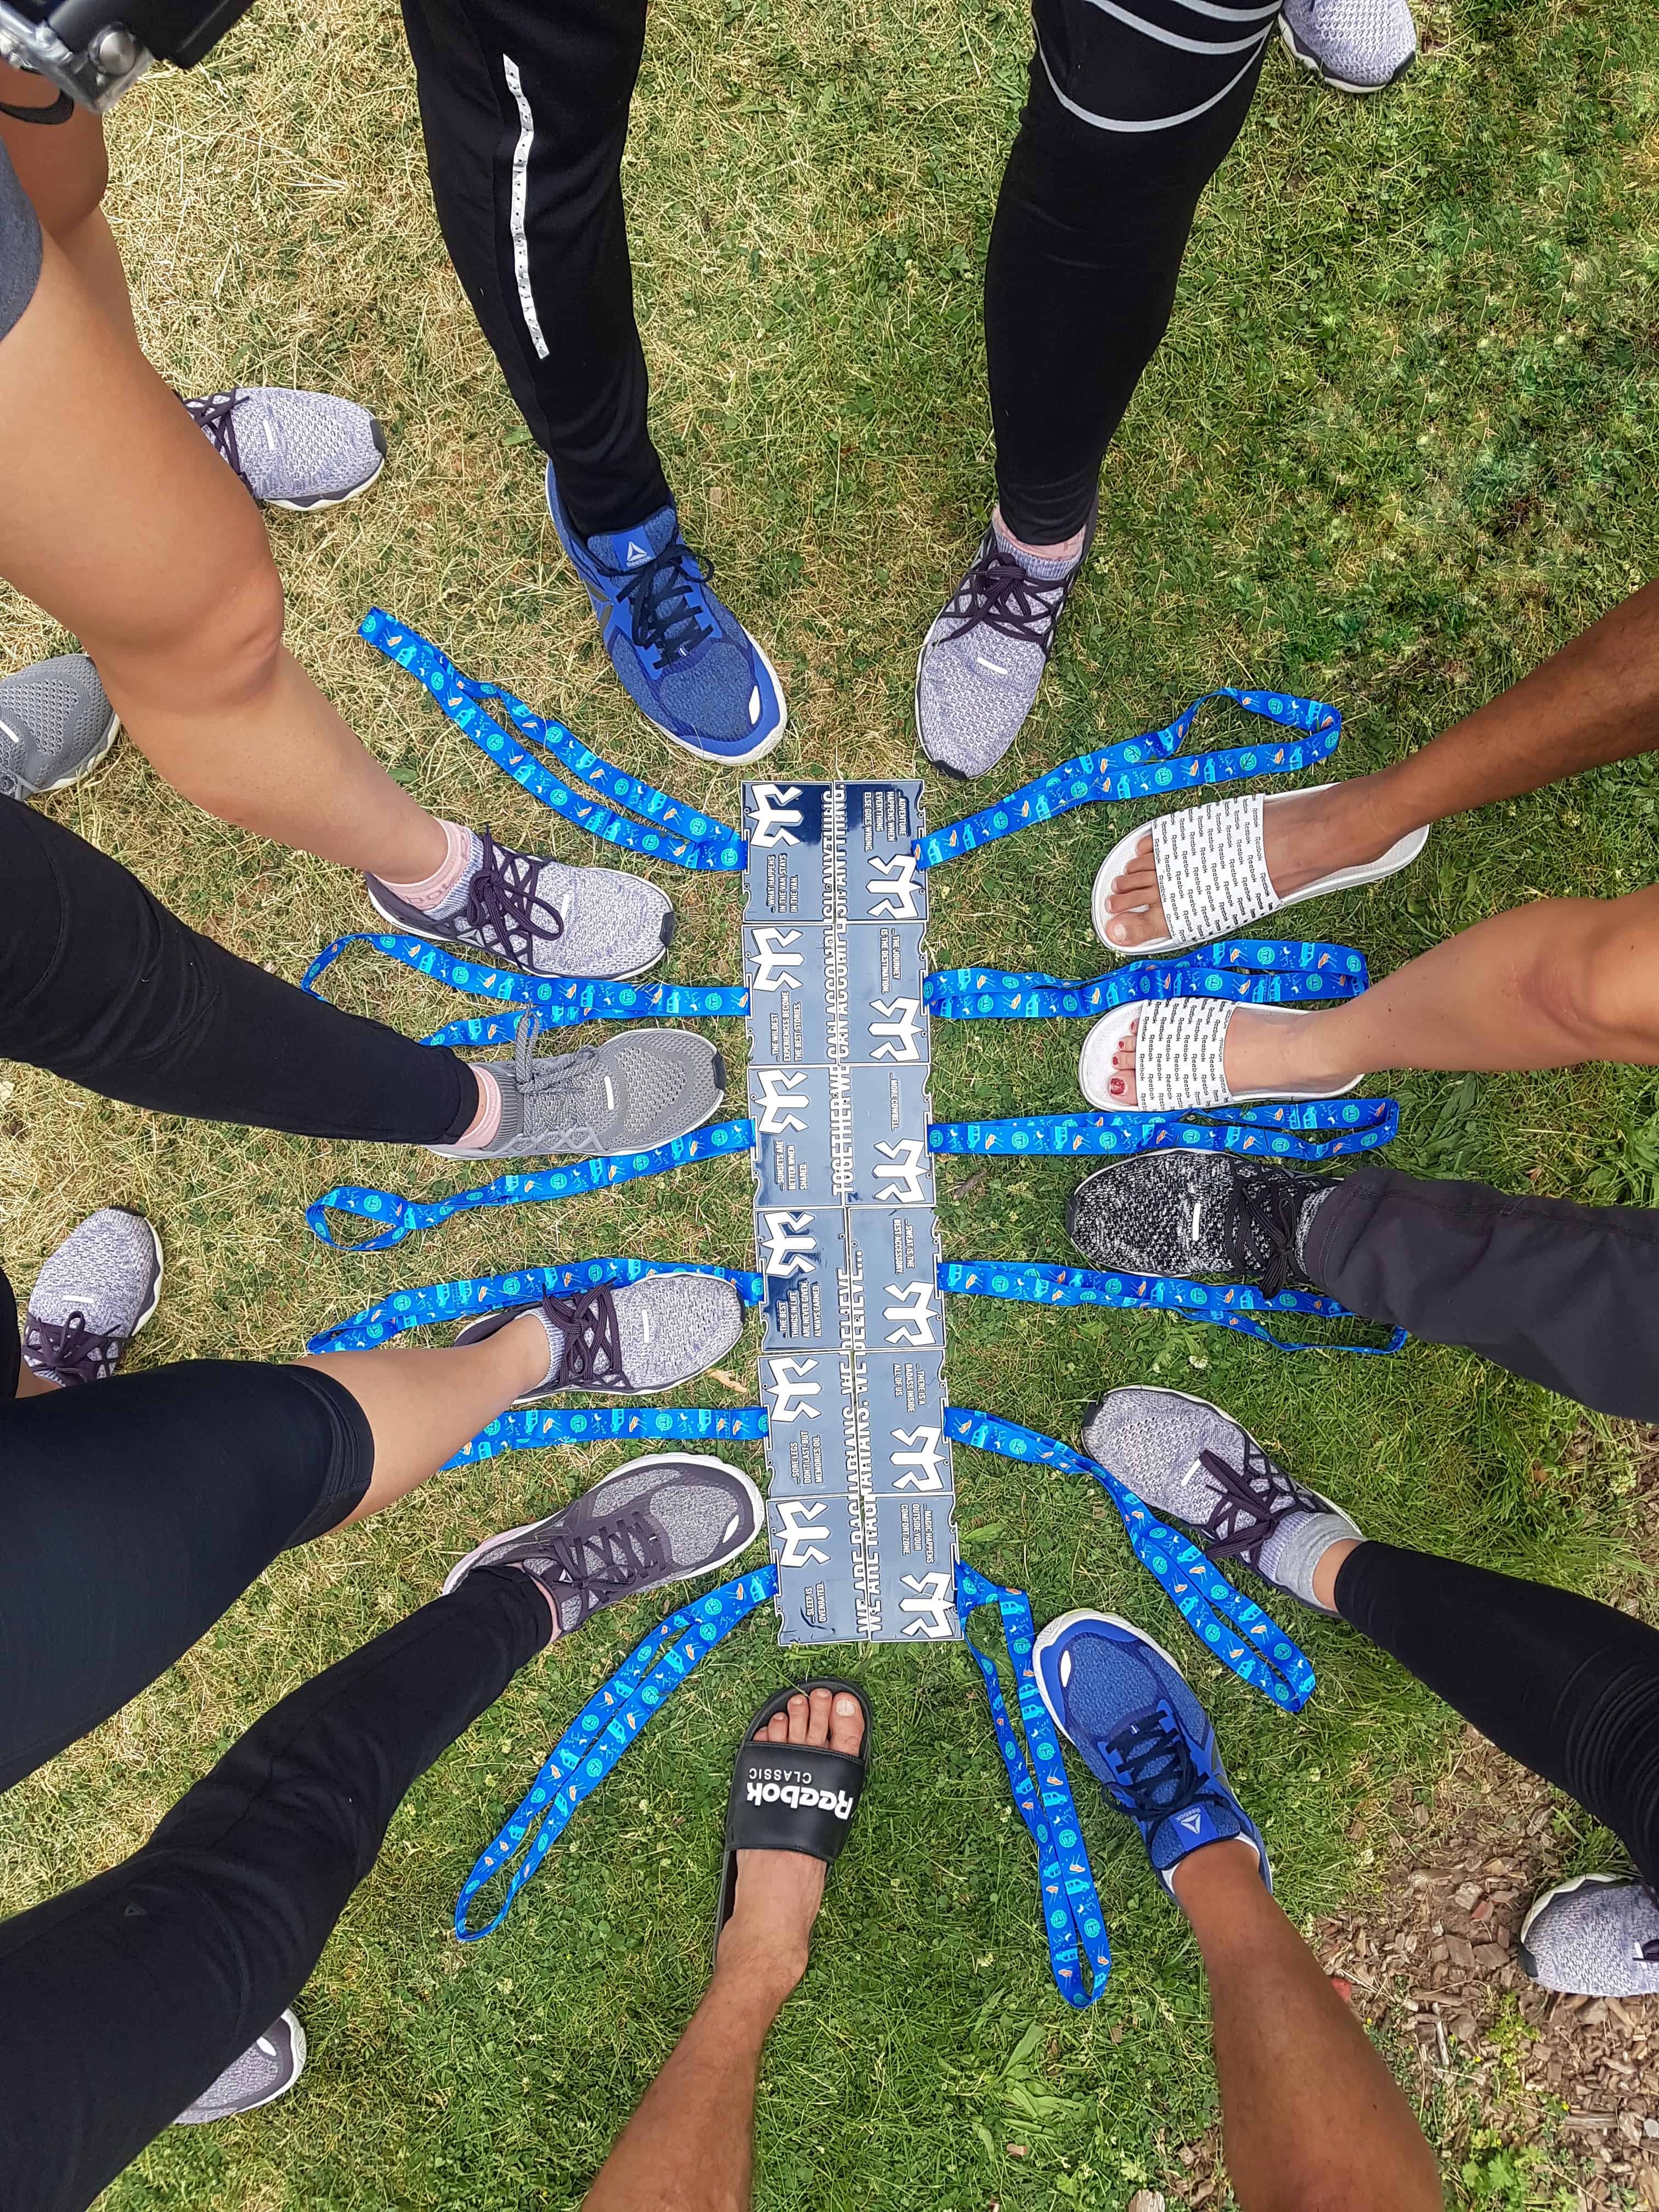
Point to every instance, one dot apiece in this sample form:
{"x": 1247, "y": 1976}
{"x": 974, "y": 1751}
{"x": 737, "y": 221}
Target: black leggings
{"x": 99, "y": 983}
{"x": 524, "y": 106}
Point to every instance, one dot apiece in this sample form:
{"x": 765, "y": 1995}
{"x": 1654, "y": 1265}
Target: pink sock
{"x": 436, "y": 890}
{"x": 481, "y": 1129}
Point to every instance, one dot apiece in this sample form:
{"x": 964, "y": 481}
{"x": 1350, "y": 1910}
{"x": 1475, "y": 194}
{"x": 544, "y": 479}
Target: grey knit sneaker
{"x": 1594, "y": 1937}
{"x": 93, "y": 1297}
{"x": 294, "y": 449}
{"x": 634, "y": 1091}
{"x": 524, "y": 912}
{"x": 630, "y": 1341}
{"x": 55, "y": 724}
{"x": 1352, "y": 45}
{"x": 656, "y": 1521}
{"x": 982, "y": 661}
{"x": 1192, "y": 1461}
{"x": 267, "y": 2070}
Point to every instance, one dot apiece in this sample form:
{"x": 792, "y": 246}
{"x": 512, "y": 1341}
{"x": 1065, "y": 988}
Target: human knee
{"x": 220, "y": 654}
{"x": 1598, "y": 982}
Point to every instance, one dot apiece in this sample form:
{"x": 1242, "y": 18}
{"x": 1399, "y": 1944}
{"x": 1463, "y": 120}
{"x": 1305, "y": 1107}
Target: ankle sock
{"x": 439, "y": 890}
{"x": 500, "y": 1116}
{"x": 1301, "y": 1540}
{"x": 1041, "y": 568}
{"x": 1305, "y": 1224}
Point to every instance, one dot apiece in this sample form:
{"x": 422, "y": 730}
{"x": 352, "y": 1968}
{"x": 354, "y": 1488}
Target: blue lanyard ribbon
{"x": 693, "y": 839}
{"x": 1071, "y": 1918}
{"x": 1230, "y": 1628}
{"x": 535, "y": 1428}
{"x": 1289, "y": 1129}
{"x": 1263, "y": 971}
{"x": 1143, "y": 768}
{"x": 1229, "y": 1305}
{"x": 401, "y": 1217}
{"x": 601, "y": 1733}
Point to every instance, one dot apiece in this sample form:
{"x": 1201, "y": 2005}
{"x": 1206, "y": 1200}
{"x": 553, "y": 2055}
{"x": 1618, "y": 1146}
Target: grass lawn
{"x": 1400, "y": 445}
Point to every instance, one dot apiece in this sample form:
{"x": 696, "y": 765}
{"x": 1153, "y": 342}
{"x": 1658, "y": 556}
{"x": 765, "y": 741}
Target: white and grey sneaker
{"x": 294, "y": 449}
{"x": 267, "y": 2070}
{"x": 1594, "y": 1937}
{"x": 656, "y": 1521}
{"x": 1188, "y": 1460}
{"x": 524, "y": 912}
{"x": 93, "y": 1297}
{"x": 983, "y": 658}
{"x": 629, "y": 1094}
{"x": 1352, "y": 45}
{"x": 55, "y": 724}
{"x": 632, "y": 1339}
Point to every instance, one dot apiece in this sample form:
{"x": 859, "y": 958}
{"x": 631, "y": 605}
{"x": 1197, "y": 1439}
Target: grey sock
{"x": 1298, "y": 1544}
{"x": 1305, "y": 1224}
{"x": 1044, "y": 572}
{"x": 555, "y": 1346}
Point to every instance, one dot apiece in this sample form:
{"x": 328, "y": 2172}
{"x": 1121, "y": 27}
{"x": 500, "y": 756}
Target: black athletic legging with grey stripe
{"x": 1134, "y": 104}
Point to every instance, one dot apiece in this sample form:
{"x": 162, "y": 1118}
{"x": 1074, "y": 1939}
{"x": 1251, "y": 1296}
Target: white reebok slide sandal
{"x": 1212, "y": 870}
{"x": 1179, "y": 1063}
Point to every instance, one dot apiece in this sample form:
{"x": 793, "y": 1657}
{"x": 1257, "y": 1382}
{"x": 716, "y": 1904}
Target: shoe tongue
{"x": 632, "y": 547}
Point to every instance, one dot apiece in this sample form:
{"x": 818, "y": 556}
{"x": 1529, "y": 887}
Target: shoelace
{"x": 71, "y": 1347}
{"x": 591, "y": 1359}
{"x": 216, "y": 415}
{"x": 1253, "y": 1499}
{"x": 1266, "y": 1216}
{"x": 552, "y": 1085}
{"x": 662, "y": 595}
{"x": 1153, "y": 1762}
{"x": 602, "y": 1561}
{"x": 997, "y": 595}
{"x": 503, "y": 905}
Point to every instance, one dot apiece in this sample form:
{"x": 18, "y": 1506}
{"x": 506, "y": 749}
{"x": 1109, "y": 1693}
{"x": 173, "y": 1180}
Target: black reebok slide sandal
{"x": 790, "y": 1796}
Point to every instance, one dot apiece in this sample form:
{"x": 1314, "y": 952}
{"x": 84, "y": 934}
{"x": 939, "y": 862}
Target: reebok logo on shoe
{"x": 638, "y": 554}
{"x": 801, "y": 1795}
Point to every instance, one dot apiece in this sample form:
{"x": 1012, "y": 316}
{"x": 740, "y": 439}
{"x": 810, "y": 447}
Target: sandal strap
{"x": 792, "y": 1797}
{"x": 1212, "y": 868}
{"x": 1179, "y": 1047}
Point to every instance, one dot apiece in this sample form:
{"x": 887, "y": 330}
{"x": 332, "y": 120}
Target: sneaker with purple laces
{"x": 684, "y": 658}
{"x": 1192, "y": 1462}
{"x": 522, "y": 911}
{"x": 1597, "y": 1936}
{"x": 1141, "y": 1732}
{"x": 267, "y": 2070}
{"x": 301, "y": 450}
{"x": 93, "y": 1297}
{"x": 656, "y": 1521}
{"x": 982, "y": 661}
{"x": 629, "y": 1339}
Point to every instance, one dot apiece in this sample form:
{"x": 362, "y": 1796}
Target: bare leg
{"x": 689, "y": 2148}
{"x": 1547, "y": 986}
{"x": 64, "y": 170}
{"x": 1312, "y": 2120}
{"x": 1596, "y": 701}
{"x": 140, "y": 541}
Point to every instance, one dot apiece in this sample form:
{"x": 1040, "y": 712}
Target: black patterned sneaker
{"x": 522, "y": 911}
{"x": 93, "y": 1297}
{"x": 1198, "y": 1213}
{"x": 634, "y": 1340}
{"x": 55, "y": 724}
{"x": 656, "y": 1521}
{"x": 629, "y": 1094}
{"x": 296, "y": 449}
{"x": 1192, "y": 1462}
{"x": 267, "y": 2070}
{"x": 1594, "y": 1937}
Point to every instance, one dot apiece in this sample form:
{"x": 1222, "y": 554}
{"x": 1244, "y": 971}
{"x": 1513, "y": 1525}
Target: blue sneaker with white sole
{"x": 684, "y": 658}
{"x": 1141, "y": 1732}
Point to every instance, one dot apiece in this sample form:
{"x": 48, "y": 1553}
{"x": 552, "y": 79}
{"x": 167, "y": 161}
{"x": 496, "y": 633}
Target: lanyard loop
{"x": 1287, "y": 1130}
{"x": 1229, "y": 1305}
{"x": 1261, "y": 971}
{"x": 601, "y": 1733}
{"x": 1144, "y": 767}
{"x": 538, "y": 1428}
{"x": 1072, "y": 1921}
{"x": 1230, "y": 1628}
{"x": 692, "y": 839}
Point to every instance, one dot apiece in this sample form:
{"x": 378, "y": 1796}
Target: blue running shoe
{"x": 685, "y": 660}
{"x": 1143, "y": 1735}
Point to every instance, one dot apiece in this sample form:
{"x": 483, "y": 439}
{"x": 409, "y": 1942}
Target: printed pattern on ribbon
{"x": 1072, "y": 1921}
{"x": 691, "y": 839}
{"x": 469, "y": 1295}
{"x": 1310, "y": 1129}
{"x": 1256, "y": 971}
{"x": 601, "y": 1733}
{"x": 1145, "y": 767}
{"x": 1227, "y": 1306}
{"x": 557, "y": 1001}
{"x": 400, "y": 1216}
{"x": 535, "y": 1428}
{"x": 1230, "y": 1628}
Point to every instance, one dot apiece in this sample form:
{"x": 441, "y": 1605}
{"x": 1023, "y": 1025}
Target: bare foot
{"x": 1304, "y": 834}
{"x": 767, "y": 1938}
{"x": 1262, "y": 1051}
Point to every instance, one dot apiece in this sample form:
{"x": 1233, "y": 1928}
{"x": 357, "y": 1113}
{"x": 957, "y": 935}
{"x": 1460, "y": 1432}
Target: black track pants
{"x": 1566, "y": 1295}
